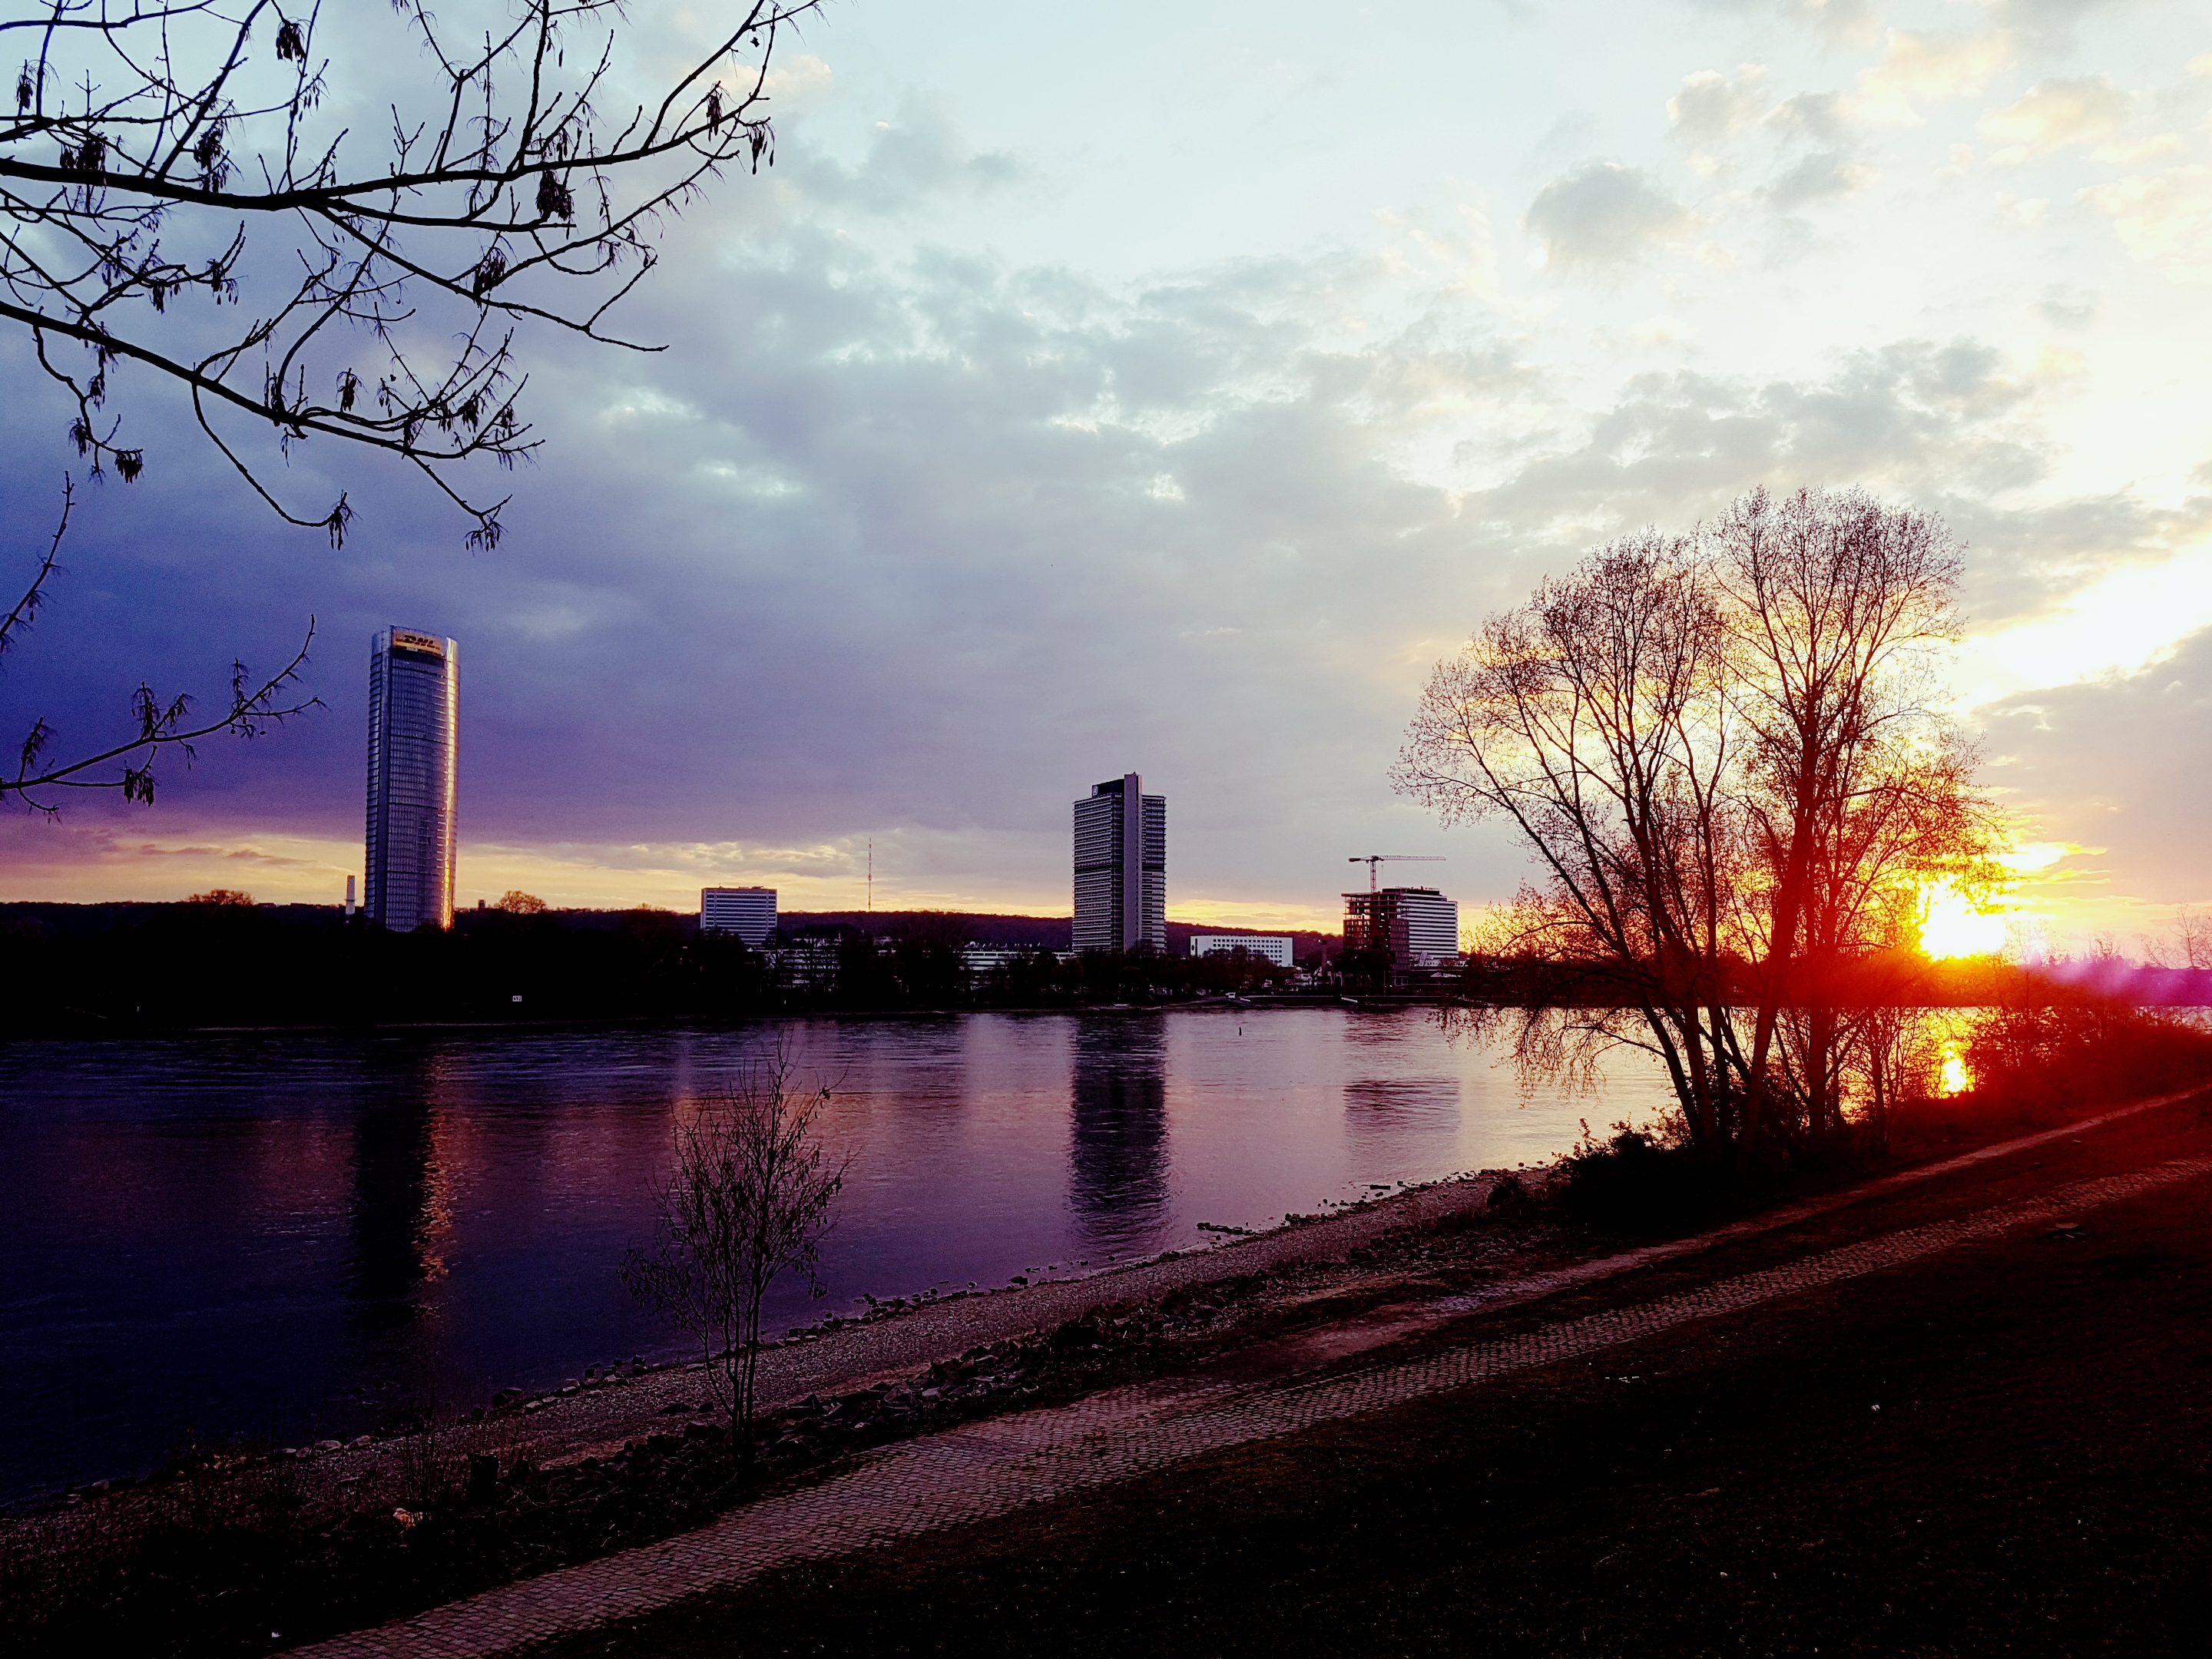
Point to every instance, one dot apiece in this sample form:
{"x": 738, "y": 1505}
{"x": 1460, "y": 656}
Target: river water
{"x": 291, "y": 1236}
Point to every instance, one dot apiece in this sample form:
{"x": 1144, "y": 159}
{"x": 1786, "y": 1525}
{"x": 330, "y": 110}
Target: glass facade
{"x": 1418, "y": 925}
{"x": 1121, "y": 867}
{"x": 414, "y": 727}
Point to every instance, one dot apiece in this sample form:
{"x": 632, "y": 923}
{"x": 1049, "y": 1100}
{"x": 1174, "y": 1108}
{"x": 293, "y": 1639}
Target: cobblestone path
{"x": 989, "y": 1468}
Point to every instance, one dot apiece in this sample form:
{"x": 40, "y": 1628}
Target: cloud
{"x": 915, "y": 541}
{"x": 1917, "y": 419}
{"x": 1832, "y": 19}
{"x": 2163, "y": 219}
{"x": 2053, "y": 115}
{"x": 1711, "y": 106}
{"x": 2049, "y": 21}
{"x": 1819, "y": 117}
{"x": 1822, "y": 176}
{"x": 911, "y": 161}
{"x": 1604, "y": 215}
{"x": 2125, "y": 763}
{"x": 1917, "y": 69}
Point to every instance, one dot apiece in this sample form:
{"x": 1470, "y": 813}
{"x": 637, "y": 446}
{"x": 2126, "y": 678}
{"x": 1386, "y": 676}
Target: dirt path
{"x": 1386, "y": 1359}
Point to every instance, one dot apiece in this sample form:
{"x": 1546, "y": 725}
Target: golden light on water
{"x": 1954, "y": 1078}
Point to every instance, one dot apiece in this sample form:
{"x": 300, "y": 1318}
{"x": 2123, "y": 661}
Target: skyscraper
{"x": 413, "y": 723}
{"x": 1121, "y": 867}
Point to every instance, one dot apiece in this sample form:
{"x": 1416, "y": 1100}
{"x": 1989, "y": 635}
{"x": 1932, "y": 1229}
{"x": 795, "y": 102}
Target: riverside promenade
{"x": 1386, "y": 1358}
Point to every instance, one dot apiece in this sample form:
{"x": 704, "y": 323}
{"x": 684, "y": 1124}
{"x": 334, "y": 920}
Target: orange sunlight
{"x": 1955, "y": 1079}
{"x": 1952, "y": 925}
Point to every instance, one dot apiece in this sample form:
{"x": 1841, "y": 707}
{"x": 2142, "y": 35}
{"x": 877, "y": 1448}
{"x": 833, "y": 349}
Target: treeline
{"x": 117, "y": 969}
{"x": 1879, "y": 979}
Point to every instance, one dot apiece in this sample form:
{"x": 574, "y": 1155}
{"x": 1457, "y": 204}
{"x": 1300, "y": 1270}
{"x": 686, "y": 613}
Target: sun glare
{"x": 1952, "y": 925}
{"x": 1955, "y": 1079}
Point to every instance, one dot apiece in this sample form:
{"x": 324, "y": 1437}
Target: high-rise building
{"x": 748, "y": 912}
{"x": 414, "y": 727}
{"x": 1418, "y": 926}
{"x": 1121, "y": 867}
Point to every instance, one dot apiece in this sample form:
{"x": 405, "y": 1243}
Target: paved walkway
{"x": 597, "y": 1422}
{"x": 989, "y": 1468}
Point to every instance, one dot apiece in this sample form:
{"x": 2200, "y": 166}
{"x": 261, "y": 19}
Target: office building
{"x": 1418, "y": 926}
{"x": 1121, "y": 867}
{"x": 748, "y": 912}
{"x": 414, "y": 729}
{"x": 1272, "y": 947}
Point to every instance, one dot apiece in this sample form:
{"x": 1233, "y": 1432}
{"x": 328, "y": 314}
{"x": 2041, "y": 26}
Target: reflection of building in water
{"x": 1117, "y": 1146}
{"x": 398, "y": 1209}
{"x": 1394, "y": 1125}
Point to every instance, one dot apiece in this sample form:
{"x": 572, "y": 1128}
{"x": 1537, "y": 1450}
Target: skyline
{"x": 996, "y": 436}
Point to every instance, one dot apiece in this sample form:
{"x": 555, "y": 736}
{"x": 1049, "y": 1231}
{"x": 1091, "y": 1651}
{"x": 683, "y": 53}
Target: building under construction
{"x": 1418, "y": 926}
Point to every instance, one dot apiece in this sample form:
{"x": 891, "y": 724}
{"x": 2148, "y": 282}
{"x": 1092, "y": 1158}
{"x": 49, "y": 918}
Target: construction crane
{"x": 1371, "y": 859}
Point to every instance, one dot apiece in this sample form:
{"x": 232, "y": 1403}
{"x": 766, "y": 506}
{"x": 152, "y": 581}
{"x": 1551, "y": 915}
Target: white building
{"x": 1276, "y": 948}
{"x": 748, "y": 912}
{"x": 1418, "y": 925}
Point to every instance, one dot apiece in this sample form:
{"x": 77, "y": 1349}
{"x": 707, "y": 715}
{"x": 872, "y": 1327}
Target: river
{"x": 290, "y": 1236}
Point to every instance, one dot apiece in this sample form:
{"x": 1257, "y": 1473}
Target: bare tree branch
{"x": 157, "y": 150}
{"x": 163, "y": 727}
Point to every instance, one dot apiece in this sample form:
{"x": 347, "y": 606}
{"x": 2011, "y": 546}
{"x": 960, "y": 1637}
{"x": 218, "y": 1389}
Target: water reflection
{"x": 397, "y": 1207}
{"x": 1117, "y": 1144}
{"x": 291, "y": 1236}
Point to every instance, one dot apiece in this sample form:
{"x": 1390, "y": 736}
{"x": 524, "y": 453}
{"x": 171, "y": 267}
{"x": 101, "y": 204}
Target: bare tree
{"x": 748, "y": 1201}
{"x": 232, "y": 201}
{"x": 1856, "y": 788}
{"x": 1594, "y": 720}
{"x": 2187, "y": 942}
{"x": 158, "y": 726}
{"x": 1722, "y": 752}
{"x": 160, "y": 149}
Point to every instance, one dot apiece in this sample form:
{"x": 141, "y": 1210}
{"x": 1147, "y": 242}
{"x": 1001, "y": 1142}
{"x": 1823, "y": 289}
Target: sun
{"x": 1952, "y": 925}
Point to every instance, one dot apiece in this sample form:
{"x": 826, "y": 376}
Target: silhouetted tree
{"x": 1722, "y": 751}
{"x": 748, "y": 1201}
{"x": 158, "y": 726}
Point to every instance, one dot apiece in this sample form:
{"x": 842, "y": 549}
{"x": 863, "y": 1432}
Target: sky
{"x": 1165, "y": 388}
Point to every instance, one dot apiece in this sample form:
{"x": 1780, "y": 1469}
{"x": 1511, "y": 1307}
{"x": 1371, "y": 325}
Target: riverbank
{"x": 578, "y": 1468}
{"x": 1962, "y": 1416}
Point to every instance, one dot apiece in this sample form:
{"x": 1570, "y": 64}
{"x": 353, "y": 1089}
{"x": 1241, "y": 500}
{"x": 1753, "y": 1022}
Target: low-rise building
{"x": 748, "y": 912}
{"x": 1278, "y": 948}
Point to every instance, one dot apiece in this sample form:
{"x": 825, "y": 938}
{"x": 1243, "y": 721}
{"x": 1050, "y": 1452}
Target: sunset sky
{"x": 1165, "y": 388}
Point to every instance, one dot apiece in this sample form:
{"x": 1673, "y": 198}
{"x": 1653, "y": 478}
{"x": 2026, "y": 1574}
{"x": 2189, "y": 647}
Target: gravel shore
{"x": 905, "y": 1338}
